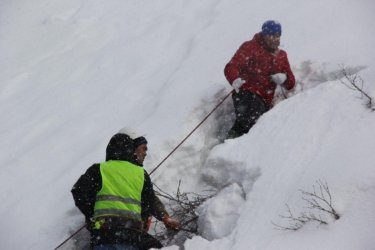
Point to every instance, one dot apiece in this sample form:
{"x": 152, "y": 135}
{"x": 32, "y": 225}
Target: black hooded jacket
{"x": 120, "y": 147}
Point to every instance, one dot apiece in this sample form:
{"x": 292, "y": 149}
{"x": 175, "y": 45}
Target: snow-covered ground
{"x": 75, "y": 72}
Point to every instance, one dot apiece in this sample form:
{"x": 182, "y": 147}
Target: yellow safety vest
{"x": 122, "y": 184}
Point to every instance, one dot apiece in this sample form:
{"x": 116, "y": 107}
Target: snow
{"x": 218, "y": 216}
{"x": 76, "y": 72}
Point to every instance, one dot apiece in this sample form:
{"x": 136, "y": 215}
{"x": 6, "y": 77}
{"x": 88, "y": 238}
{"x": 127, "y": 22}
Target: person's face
{"x": 141, "y": 153}
{"x": 272, "y": 41}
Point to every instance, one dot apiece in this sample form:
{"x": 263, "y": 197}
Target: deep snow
{"x": 76, "y": 72}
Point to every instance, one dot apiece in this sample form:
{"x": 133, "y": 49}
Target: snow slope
{"x": 76, "y": 72}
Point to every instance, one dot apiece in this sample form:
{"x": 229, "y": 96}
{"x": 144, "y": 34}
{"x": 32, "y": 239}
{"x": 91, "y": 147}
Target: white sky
{"x": 75, "y": 72}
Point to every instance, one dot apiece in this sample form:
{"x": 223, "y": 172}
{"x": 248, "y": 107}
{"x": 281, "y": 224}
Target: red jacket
{"x": 255, "y": 63}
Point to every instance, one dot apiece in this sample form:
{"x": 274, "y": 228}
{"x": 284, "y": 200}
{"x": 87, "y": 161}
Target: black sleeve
{"x": 151, "y": 204}
{"x": 85, "y": 189}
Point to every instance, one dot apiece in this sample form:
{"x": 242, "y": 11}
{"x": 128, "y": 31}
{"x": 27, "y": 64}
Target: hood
{"x": 120, "y": 147}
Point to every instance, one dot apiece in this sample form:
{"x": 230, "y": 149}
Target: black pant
{"x": 248, "y": 108}
{"x": 140, "y": 240}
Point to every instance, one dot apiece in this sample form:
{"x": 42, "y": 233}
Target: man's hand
{"x": 171, "y": 223}
{"x": 237, "y": 84}
{"x": 278, "y": 78}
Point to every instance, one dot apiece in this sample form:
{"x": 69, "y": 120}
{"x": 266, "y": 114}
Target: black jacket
{"x": 84, "y": 192}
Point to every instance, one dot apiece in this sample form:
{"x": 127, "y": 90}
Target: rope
{"x": 71, "y": 236}
{"x": 196, "y": 127}
{"x": 283, "y": 92}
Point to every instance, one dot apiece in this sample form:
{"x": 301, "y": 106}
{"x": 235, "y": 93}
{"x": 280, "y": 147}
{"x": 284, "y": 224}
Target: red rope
{"x": 196, "y": 127}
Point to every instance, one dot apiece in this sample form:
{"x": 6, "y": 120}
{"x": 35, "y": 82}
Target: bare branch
{"x": 318, "y": 201}
{"x": 355, "y": 82}
{"x": 182, "y": 207}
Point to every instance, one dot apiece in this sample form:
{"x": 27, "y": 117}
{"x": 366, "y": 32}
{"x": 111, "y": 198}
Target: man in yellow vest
{"x": 117, "y": 195}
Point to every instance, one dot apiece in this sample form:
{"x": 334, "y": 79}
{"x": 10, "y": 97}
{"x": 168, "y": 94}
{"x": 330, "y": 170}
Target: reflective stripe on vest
{"x": 122, "y": 184}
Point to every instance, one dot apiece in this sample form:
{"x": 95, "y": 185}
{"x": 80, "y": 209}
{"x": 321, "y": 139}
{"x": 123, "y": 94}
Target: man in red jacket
{"x": 254, "y": 71}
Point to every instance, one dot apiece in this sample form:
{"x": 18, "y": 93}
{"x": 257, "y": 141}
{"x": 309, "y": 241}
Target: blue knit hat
{"x": 271, "y": 27}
